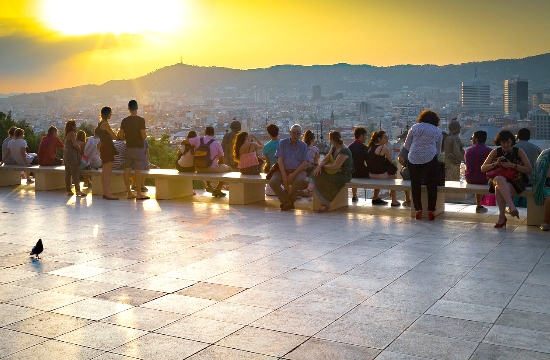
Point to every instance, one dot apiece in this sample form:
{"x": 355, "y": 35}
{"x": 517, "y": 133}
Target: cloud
{"x": 30, "y": 49}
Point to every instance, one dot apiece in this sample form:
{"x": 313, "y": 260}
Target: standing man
{"x": 48, "y": 147}
{"x": 292, "y": 157}
{"x": 531, "y": 150}
{"x": 132, "y": 129}
{"x": 359, "y": 154}
{"x": 227, "y": 144}
{"x": 216, "y": 157}
{"x": 475, "y": 157}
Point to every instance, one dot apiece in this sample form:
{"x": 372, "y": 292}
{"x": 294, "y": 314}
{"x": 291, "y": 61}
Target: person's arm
{"x": 24, "y": 155}
{"x": 316, "y": 158}
{"x": 258, "y": 143}
{"x": 337, "y": 164}
{"x": 386, "y": 152}
{"x": 72, "y": 138}
{"x": 488, "y": 163}
{"x": 323, "y": 162}
{"x": 105, "y": 126}
{"x": 6, "y": 155}
{"x": 526, "y": 168}
{"x": 59, "y": 144}
{"x": 143, "y": 134}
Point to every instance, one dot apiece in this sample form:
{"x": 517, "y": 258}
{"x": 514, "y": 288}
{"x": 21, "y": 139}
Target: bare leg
{"x": 127, "y": 183}
{"x": 479, "y": 197}
{"x": 407, "y": 195}
{"x": 219, "y": 187}
{"x": 106, "y": 178}
{"x": 375, "y": 194}
{"x": 393, "y": 194}
{"x": 501, "y": 206}
{"x": 506, "y": 191}
{"x": 354, "y": 192}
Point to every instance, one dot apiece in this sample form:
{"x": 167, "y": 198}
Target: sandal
{"x": 323, "y": 208}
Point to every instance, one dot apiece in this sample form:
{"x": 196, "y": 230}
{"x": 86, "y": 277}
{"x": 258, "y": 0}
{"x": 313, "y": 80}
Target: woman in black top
{"x": 377, "y": 156}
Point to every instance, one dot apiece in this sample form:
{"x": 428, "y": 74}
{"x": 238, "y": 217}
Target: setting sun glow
{"x": 118, "y": 17}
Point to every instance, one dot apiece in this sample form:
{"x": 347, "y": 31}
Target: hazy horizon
{"x": 54, "y": 44}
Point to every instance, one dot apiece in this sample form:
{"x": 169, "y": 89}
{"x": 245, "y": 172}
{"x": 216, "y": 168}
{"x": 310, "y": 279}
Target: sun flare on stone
{"x": 107, "y": 16}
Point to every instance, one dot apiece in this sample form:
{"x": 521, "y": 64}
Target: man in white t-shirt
{"x": 216, "y": 155}
{"x": 17, "y": 148}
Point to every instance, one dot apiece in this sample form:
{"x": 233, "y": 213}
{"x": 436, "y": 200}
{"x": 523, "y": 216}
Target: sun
{"x": 73, "y": 17}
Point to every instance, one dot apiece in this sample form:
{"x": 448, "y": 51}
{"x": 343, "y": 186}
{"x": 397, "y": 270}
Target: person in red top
{"x": 48, "y": 147}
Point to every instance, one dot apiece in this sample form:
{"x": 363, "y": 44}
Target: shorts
{"x": 221, "y": 168}
{"x": 106, "y": 153}
{"x": 135, "y": 158}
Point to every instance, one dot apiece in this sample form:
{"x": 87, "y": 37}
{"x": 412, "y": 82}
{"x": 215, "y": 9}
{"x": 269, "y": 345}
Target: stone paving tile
{"x": 157, "y": 346}
{"x": 262, "y": 341}
{"x": 47, "y": 300}
{"x": 433, "y": 347}
{"x": 55, "y": 350}
{"x": 143, "y": 318}
{"x": 233, "y": 313}
{"x": 101, "y": 336}
{"x": 488, "y": 314}
{"x": 163, "y": 284}
{"x": 496, "y": 352}
{"x": 527, "y": 303}
{"x": 534, "y": 290}
{"x": 478, "y": 297}
{"x": 223, "y": 353}
{"x": 519, "y": 338}
{"x": 524, "y": 320}
{"x": 86, "y": 288}
{"x": 44, "y": 281}
{"x": 10, "y": 292}
{"x": 13, "y": 341}
{"x": 389, "y": 355}
{"x": 49, "y": 324}
{"x": 316, "y": 349}
{"x": 93, "y": 309}
{"x": 450, "y": 327}
{"x": 79, "y": 271}
{"x": 211, "y": 291}
{"x": 200, "y": 329}
{"x": 178, "y": 304}
{"x": 267, "y": 299}
{"x": 130, "y": 296}
{"x": 11, "y": 313}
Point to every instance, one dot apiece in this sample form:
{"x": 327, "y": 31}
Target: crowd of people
{"x": 293, "y": 164}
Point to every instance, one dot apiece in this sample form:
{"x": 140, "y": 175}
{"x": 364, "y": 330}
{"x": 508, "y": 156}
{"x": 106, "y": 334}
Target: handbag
{"x": 508, "y": 173}
{"x": 390, "y": 167}
{"x": 273, "y": 170}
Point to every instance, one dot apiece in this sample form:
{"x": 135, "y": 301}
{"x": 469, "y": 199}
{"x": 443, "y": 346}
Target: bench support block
{"x": 49, "y": 181}
{"x": 535, "y": 213}
{"x": 10, "y": 178}
{"x": 117, "y": 184}
{"x": 439, "y": 205}
{"x": 173, "y": 188}
{"x": 340, "y": 201}
{"x": 242, "y": 194}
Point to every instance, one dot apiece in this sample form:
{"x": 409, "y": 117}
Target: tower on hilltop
{"x": 516, "y": 98}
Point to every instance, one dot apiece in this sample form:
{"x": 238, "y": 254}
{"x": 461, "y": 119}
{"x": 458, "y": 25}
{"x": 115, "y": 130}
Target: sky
{"x": 53, "y": 44}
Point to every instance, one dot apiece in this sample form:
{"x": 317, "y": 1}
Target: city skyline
{"x": 52, "y": 44}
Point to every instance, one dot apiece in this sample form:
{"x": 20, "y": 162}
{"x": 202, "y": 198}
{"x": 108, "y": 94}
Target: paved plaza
{"x": 199, "y": 279}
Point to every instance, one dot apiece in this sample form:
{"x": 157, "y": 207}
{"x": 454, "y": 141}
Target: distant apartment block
{"x": 475, "y": 94}
{"x": 316, "y": 92}
{"x": 516, "y": 96}
{"x": 261, "y": 96}
{"x": 541, "y": 120}
{"x": 536, "y": 100}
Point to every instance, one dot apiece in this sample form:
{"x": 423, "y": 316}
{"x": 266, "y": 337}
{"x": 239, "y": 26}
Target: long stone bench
{"x": 245, "y": 189}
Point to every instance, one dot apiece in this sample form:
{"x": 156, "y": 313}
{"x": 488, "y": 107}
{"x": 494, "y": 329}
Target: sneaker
{"x": 395, "y": 204}
{"x": 354, "y": 199}
{"x": 379, "y": 202}
{"x": 481, "y": 209}
{"x": 30, "y": 181}
{"x": 545, "y": 227}
{"x": 216, "y": 193}
{"x": 406, "y": 204}
{"x": 144, "y": 189}
{"x": 209, "y": 189}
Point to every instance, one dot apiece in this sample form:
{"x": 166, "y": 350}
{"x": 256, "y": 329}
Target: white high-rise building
{"x": 475, "y": 94}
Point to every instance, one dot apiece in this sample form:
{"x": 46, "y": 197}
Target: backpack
{"x": 201, "y": 158}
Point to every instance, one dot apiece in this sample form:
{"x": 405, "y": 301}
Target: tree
{"x": 33, "y": 140}
{"x": 88, "y": 128}
{"x": 161, "y": 153}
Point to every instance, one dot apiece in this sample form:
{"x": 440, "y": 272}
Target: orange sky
{"x": 52, "y": 44}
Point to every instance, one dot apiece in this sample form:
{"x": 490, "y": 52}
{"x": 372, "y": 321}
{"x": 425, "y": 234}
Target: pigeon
{"x": 37, "y": 249}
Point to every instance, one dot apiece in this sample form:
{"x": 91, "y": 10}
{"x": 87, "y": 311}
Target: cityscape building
{"x": 475, "y": 94}
{"x": 540, "y": 120}
{"x": 316, "y": 92}
{"x": 516, "y": 97}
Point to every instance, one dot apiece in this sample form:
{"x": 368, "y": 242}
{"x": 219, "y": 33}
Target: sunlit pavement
{"x": 199, "y": 279}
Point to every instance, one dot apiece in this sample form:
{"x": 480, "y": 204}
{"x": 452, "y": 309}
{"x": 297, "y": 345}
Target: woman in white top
{"x": 424, "y": 145}
{"x": 185, "y": 155}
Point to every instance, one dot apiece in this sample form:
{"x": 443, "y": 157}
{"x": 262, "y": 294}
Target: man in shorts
{"x": 132, "y": 129}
